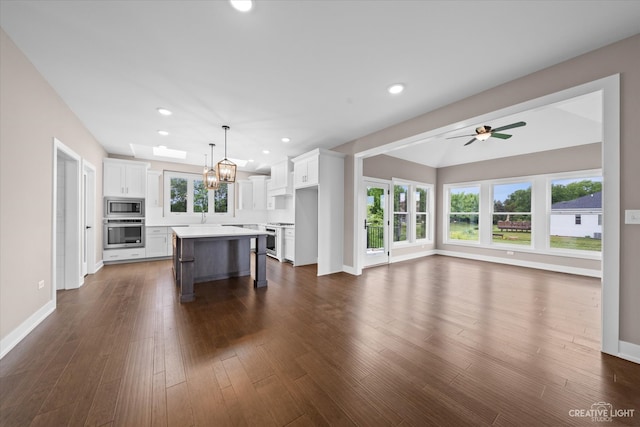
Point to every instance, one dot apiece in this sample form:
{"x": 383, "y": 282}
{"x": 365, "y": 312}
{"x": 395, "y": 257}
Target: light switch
{"x": 632, "y": 216}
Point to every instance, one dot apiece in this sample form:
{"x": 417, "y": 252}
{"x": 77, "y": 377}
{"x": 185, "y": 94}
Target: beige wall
{"x": 32, "y": 114}
{"x": 619, "y": 58}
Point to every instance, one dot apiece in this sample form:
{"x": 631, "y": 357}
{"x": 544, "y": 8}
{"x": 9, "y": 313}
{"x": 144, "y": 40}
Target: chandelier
{"x": 226, "y": 170}
{"x": 209, "y": 174}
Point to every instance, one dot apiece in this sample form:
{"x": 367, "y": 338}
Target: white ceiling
{"x": 313, "y": 71}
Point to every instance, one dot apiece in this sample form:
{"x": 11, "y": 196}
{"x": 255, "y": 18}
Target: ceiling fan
{"x": 485, "y": 132}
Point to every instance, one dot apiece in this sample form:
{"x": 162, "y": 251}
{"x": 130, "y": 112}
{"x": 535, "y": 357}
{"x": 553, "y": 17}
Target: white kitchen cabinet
{"x": 281, "y": 179}
{"x": 289, "y": 244}
{"x": 319, "y": 210}
{"x": 275, "y": 202}
{"x": 259, "y": 191}
{"x": 124, "y": 178}
{"x": 109, "y": 255}
{"x": 306, "y": 170}
{"x": 153, "y": 189}
{"x": 157, "y": 242}
{"x": 252, "y": 193}
{"x": 245, "y": 194}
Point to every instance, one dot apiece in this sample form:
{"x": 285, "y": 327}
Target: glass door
{"x": 376, "y": 223}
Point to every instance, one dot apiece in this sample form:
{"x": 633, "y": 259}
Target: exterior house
{"x": 581, "y": 217}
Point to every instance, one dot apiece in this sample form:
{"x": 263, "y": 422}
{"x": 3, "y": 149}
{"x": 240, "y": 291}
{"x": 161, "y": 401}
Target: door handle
{"x": 88, "y": 227}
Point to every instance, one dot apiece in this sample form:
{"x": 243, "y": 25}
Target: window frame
{"x": 447, "y": 213}
{"x": 512, "y": 181}
{"x": 578, "y": 175}
{"x": 191, "y": 179}
{"x": 411, "y": 213}
{"x": 540, "y": 214}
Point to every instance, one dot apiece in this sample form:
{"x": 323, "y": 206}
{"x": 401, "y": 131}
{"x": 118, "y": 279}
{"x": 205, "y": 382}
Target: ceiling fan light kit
{"x": 485, "y": 132}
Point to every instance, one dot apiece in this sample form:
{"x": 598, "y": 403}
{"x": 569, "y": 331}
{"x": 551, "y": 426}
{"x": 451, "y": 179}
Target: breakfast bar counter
{"x": 203, "y": 254}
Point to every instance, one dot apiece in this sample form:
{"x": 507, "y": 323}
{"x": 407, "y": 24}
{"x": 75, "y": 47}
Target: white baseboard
{"x": 18, "y": 334}
{"x": 629, "y": 351}
{"x": 349, "y": 269}
{"x": 98, "y": 266}
{"x": 521, "y": 263}
{"x": 411, "y": 256}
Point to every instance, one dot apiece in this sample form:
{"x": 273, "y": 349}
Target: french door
{"x": 376, "y": 223}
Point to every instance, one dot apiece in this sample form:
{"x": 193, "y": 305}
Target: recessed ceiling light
{"x": 285, "y": 139}
{"x": 162, "y": 151}
{"x": 396, "y": 88}
{"x": 163, "y": 132}
{"x": 242, "y": 5}
{"x": 164, "y": 111}
{"x": 265, "y": 151}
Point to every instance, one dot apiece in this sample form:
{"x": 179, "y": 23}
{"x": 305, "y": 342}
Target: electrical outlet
{"x": 632, "y": 216}
{"x": 510, "y": 252}
{"x": 41, "y": 284}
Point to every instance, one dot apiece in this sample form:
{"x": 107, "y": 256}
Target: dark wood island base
{"x": 203, "y": 254}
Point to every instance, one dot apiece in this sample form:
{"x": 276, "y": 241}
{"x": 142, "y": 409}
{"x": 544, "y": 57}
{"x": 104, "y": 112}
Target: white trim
{"x": 350, "y": 270}
{"x": 610, "y": 301}
{"x": 521, "y": 263}
{"x": 407, "y": 257}
{"x": 98, "y": 266}
{"x": 91, "y": 252}
{"x": 18, "y": 334}
{"x": 629, "y": 351}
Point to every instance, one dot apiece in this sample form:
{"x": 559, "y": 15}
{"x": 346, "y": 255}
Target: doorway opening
{"x": 67, "y": 219}
{"x": 376, "y": 222}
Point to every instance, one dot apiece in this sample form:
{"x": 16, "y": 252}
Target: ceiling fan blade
{"x": 511, "y": 126}
{"x": 469, "y": 142}
{"x": 500, "y": 135}
{"x": 459, "y": 136}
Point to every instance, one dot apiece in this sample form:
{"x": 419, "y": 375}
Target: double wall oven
{"x": 123, "y": 223}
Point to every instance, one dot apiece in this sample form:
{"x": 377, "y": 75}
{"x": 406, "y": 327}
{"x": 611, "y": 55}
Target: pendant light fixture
{"x": 226, "y": 170}
{"x": 209, "y": 175}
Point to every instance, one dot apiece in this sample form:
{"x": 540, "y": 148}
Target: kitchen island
{"x": 203, "y": 254}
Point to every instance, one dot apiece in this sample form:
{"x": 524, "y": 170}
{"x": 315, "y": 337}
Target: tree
{"x": 574, "y": 190}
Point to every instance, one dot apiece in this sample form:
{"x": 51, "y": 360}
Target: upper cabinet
{"x": 319, "y": 210}
{"x": 124, "y": 178}
{"x": 281, "y": 179}
{"x": 252, "y": 193}
{"x": 306, "y": 169}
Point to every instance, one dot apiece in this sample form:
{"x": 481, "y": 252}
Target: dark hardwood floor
{"x": 435, "y": 341}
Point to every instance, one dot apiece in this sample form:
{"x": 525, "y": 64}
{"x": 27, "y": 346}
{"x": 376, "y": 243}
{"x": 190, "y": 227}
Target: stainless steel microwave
{"x": 123, "y": 207}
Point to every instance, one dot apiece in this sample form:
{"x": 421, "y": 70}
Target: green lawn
{"x": 462, "y": 231}
{"x": 579, "y": 243}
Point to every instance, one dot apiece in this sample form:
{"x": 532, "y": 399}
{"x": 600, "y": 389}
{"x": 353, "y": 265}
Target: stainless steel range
{"x": 274, "y": 239}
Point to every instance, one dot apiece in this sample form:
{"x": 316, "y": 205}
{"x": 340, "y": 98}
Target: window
{"x": 412, "y": 212}
{"x": 575, "y": 217}
{"x": 464, "y": 213}
{"x": 186, "y": 194}
{"x": 512, "y": 213}
{"x": 400, "y": 212}
{"x": 422, "y": 212}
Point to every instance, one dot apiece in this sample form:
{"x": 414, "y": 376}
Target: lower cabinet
{"x": 109, "y": 255}
{"x": 289, "y": 244}
{"x": 158, "y": 242}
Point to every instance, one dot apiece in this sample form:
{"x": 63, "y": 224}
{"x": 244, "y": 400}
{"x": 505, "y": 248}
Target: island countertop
{"x": 214, "y": 231}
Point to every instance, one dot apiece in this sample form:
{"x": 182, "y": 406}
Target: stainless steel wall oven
{"x": 123, "y": 233}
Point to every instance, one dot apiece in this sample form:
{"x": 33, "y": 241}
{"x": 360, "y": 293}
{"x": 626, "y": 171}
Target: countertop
{"x": 214, "y": 231}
